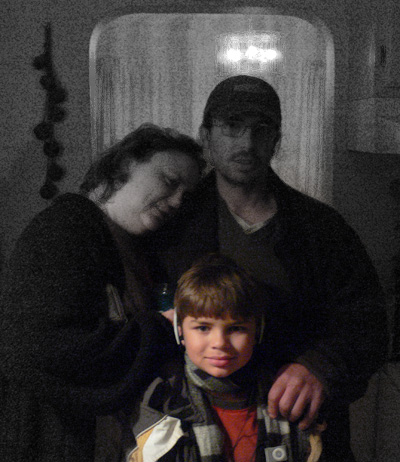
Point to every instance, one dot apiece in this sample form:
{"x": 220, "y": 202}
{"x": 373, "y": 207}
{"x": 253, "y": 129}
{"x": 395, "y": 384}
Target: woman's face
{"x": 153, "y": 192}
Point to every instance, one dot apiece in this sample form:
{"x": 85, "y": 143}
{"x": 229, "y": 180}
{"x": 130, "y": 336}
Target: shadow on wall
{"x": 20, "y": 200}
{"x": 1, "y": 263}
{"x": 4, "y": 195}
{"x": 395, "y": 347}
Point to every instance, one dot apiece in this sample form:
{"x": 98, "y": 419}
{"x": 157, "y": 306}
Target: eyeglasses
{"x": 237, "y": 128}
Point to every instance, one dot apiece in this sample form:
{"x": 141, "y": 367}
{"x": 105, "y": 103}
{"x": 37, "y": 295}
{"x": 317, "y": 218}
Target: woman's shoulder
{"x": 68, "y": 213}
{"x": 72, "y": 228}
{"x": 72, "y": 205}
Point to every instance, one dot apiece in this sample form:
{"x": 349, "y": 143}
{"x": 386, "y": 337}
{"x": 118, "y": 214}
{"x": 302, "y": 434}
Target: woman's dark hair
{"x": 112, "y": 169}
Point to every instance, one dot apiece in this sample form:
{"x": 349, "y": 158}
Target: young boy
{"x": 212, "y": 407}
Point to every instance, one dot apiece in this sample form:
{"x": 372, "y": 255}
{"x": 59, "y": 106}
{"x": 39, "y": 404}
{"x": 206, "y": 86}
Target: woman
{"x": 80, "y": 335}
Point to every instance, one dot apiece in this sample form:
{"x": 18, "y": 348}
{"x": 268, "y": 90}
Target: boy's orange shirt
{"x": 241, "y": 427}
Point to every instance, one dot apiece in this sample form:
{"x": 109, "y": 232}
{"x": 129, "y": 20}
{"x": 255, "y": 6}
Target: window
{"x": 161, "y": 68}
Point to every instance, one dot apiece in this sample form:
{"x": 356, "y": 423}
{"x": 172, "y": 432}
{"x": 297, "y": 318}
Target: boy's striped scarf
{"x": 273, "y": 434}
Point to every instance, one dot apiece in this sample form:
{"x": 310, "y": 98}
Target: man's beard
{"x": 248, "y": 182}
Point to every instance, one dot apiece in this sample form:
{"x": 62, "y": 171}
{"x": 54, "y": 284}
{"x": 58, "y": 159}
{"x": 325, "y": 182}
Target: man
{"x": 332, "y": 329}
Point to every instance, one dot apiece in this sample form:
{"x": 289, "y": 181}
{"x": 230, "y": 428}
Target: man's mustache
{"x": 245, "y": 155}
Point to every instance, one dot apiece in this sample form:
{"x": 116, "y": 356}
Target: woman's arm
{"x": 58, "y": 339}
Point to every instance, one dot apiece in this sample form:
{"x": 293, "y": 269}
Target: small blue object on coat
{"x": 165, "y": 297}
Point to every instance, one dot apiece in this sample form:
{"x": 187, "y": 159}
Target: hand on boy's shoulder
{"x": 295, "y": 393}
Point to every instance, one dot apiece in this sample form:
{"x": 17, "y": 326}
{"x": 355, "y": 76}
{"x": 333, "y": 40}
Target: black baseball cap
{"x": 243, "y": 93}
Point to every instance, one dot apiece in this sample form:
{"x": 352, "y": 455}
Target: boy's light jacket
{"x": 163, "y": 428}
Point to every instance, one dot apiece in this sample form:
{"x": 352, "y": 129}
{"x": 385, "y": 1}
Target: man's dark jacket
{"x": 334, "y": 321}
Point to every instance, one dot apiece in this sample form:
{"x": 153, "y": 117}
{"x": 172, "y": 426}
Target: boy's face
{"x": 218, "y": 346}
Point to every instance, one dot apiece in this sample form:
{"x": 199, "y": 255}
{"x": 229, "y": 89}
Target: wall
{"x": 360, "y": 182}
{"x": 362, "y": 179}
{"x": 362, "y": 193}
{"x": 22, "y": 100}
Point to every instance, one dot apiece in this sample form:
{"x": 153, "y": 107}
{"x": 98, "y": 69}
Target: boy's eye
{"x": 202, "y": 328}
{"x": 238, "y": 329}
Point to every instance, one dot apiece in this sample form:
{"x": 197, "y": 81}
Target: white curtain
{"x": 161, "y": 69}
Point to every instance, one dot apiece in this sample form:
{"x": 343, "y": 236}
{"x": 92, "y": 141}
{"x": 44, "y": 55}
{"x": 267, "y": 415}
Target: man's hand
{"x": 296, "y": 392}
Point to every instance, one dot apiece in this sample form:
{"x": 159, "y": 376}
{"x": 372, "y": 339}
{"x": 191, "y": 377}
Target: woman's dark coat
{"x": 63, "y": 361}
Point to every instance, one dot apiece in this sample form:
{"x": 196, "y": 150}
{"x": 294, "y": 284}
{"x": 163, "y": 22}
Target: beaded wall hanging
{"x": 53, "y": 114}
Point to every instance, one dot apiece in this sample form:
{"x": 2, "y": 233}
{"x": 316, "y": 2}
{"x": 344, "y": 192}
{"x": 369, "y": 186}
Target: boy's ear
{"x": 182, "y": 340}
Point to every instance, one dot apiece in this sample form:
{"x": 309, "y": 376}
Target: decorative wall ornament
{"x": 53, "y": 113}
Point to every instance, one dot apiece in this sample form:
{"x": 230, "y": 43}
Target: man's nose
{"x": 246, "y": 141}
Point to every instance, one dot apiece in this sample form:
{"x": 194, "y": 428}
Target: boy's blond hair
{"x": 215, "y": 286}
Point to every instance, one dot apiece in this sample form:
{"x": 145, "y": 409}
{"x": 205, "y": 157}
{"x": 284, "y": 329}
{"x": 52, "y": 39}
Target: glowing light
{"x": 233, "y": 55}
{"x": 250, "y": 53}
{"x": 268, "y": 55}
